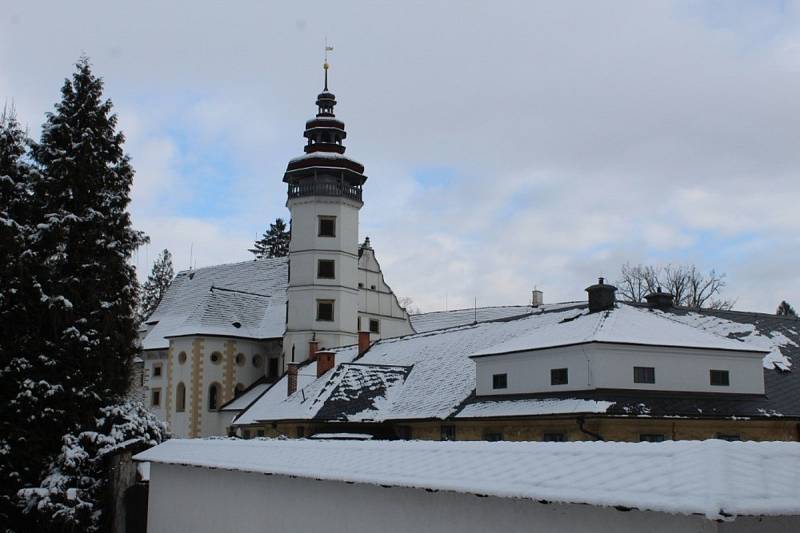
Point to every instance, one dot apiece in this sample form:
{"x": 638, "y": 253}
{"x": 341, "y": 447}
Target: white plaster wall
{"x": 305, "y": 212}
{"x": 604, "y": 366}
{"x": 202, "y": 500}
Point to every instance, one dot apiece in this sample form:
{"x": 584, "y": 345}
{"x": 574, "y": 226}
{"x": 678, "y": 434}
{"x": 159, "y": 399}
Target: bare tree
{"x": 689, "y": 286}
{"x": 785, "y": 309}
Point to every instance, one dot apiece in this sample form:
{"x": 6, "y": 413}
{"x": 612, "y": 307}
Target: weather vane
{"x": 325, "y": 64}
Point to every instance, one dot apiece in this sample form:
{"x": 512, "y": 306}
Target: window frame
{"x": 493, "y": 436}
{"x": 718, "y": 373}
{"x": 158, "y": 370}
{"x": 326, "y": 218}
{"x": 644, "y": 375}
{"x": 554, "y": 436}
{"x": 155, "y": 397}
{"x": 377, "y": 323}
{"x": 557, "y": 383}
{"x": 447, "y": 432}
{"x": 180, "y": 399}
{"x": 328, "y": 263}
{"x": 218, "y": 397}
{"x": 500, "y": 381}
{"x": 652, "y": 437}
{"x": 332, "y": 303}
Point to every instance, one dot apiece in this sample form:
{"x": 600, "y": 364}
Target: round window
{"x": 182, "y": 357}
{"x": 258, "y": 361}
{"x": 216, "y": 358}
{"x": 240, "y": 359}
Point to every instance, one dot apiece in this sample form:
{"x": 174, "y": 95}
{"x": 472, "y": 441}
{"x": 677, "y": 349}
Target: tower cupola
{"x": 324, "y": 170}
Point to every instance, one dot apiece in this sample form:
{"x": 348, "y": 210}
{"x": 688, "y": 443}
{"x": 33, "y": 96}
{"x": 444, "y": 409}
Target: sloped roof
{"x": 209, "y": 300}
{"x": 626, "y": 325}
{"x": 441, "y": 382}
{"x": 716, "y": 479}
{"x": 434, "y": 320}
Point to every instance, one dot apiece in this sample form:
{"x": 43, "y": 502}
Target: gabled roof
{"x": 624, "y": 325}
{"x": 713, "y": 478}
{"x": 209, "y": 300}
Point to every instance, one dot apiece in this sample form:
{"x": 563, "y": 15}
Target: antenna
{"x": 191, "y": 253}
{"x": 475, "y": 307}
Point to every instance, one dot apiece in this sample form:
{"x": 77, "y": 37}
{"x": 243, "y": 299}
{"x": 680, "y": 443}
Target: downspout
{"x": 595, "y": 436}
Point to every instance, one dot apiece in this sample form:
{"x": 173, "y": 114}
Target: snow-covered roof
{"x": 211, "y": 300}
{"x": 246, "y": 398}
{"x": 321, "y": 155}
{"x": 714, "y": 478}
{"x": 434, "y": 320}
{"x": 439, "y": 380}
{"x": 625, "y": 325}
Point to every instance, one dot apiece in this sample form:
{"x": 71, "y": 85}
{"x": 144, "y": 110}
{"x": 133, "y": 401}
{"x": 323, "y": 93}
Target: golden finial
{"x": 325, "y": 65}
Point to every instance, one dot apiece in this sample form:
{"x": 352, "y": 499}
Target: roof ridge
{"x": 209, "y": 267}
{"x": 213, "y": 288}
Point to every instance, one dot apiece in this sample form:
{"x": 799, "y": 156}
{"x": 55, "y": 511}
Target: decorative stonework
{"x": 197, "y": 388}
{"x": 170, "y": 363}
{"x": 229, "y": 371}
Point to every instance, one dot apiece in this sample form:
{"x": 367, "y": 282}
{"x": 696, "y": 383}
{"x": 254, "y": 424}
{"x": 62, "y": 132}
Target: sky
{"x": 509, "y": 145}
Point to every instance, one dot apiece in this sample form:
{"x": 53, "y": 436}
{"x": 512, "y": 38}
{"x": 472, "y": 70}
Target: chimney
{"x": 326, "y": 360}
{"x": 537, "y": 298}
{"x": 313, "y": 346}
{"x": 363, "y": 342}
{"x": 291, "y": 379}
{"x": 601, "y": 296}
{"x": 660, "y": 300}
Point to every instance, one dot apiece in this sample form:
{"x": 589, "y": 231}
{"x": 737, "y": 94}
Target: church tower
{"x": 324, "y": 198}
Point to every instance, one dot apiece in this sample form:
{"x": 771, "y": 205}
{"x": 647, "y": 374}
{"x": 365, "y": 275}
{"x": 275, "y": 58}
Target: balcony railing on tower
{"x": 297, "y": 190}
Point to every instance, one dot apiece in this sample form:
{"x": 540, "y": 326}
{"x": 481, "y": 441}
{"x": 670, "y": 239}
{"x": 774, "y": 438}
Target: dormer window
{"x": 720, "y": 378}
{"x": 559, "y": 376}
{"x": 644, "y": 374}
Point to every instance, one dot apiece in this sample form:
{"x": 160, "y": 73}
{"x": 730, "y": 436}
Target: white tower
{"x": 324, "y": 197}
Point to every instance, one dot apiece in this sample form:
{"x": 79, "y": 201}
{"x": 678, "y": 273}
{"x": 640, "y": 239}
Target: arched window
{"x": 182, "y": 357}
{"x": 180, "y": 397}
{"x": 214, "y": 395}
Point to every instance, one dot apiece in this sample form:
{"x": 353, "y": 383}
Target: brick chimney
{"x": 291, "y": 379}
{"x": 313, "y": 346}
{"x": 326, "y": 360}
{"x": 363, "y": 342}
{"x": 660, "y": 300}
{"x": 601, "y": 296}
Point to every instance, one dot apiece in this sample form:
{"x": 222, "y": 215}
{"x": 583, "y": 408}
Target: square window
{"x": 325, "y": 310}
{"x": 327, "y": 227}
{"x": 493, "y": 436}
{"x": 156, "y": 371}
{"x": 448, "y": 433}
{"x": 644, "y": 374}
{"x": 326, "y": 269}
{"x": 374, "y": 325}
{"x": 720, "y": 378}
{"x": 155, "y": 398}
{"x": 500, "y": 381}
{"x": 559, "y": 376}
{"x": 553, "y": 437}
{"x": 651, "y": 437}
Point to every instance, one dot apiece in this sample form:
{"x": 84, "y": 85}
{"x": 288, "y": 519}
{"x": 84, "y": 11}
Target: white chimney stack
{"x": 537, "y": 298}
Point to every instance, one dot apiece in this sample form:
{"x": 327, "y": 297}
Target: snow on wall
{"x": 714, "y": 478}
{"x": 533, "y": 407}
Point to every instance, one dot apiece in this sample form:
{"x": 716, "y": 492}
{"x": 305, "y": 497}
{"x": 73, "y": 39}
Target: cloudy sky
{"x": 508, "y": 144}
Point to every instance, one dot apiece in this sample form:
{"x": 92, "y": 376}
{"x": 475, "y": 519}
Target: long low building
{"x": 596, "y": 370}
{"x": 333, "y": 486}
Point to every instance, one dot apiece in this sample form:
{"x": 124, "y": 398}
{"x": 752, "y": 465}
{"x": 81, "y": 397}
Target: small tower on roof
{"x": 324, "y": 198}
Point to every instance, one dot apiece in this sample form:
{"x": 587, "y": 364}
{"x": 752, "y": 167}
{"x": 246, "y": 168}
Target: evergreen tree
{"x": 24, "y": 398}
{"x": 156, "y": 286}
{"x": 274, "y": 242}
{"x": 75, "y": 319}
{"x": 785, "y": 309}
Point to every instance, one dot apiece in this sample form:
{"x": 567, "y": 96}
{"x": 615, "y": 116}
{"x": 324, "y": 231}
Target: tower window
{"x": 644, "y": 374}
{"x": 214, "y": 393}
{"x": 325, "y": 310}
{"x": 326, "y": 269}
{"x": 180, "y": 398}
{"x": 327, "y": 227}
{"x": 559, "y": 376}
{"x": 500, "y": 381}
{"x": 720, "y": 378}
{"x": 374, "y": 325}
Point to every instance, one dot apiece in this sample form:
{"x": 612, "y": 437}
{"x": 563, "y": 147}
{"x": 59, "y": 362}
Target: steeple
{"x": 324, "y": 170}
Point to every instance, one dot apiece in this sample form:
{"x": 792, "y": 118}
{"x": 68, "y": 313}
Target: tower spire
{"x": 325, "y": 65}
